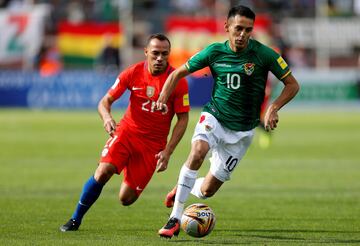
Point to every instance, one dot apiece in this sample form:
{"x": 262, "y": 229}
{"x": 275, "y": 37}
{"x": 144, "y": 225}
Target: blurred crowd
{"x": 149, "y": 17}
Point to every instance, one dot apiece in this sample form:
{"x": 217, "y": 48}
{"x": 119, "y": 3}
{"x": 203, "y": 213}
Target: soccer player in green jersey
{"x": 240, "y": 68}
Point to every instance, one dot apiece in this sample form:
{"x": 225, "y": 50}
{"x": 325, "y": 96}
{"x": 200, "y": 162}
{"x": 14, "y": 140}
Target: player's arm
{"x": 104, "y": 109}
{"x": 176, "y": 135}
{"x": 289, "y": 91}
{"x": 170, "y": 85}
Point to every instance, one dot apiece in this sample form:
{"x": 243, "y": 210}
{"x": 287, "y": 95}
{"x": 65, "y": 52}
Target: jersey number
{"x": 231, "y": 163}
{"x": 108, "y": 145}
{"x": 233, "y": 81}
{"x": 148, "y": 106}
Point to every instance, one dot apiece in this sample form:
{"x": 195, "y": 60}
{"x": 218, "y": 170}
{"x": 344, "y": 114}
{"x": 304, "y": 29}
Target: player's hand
{"x": 161, "y": 104}
{"x": 110, "y": 126}
{"x": 271, "y": 118}
{"x": 163, "y": 160}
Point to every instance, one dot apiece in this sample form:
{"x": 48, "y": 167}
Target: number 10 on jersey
{"x": 233, "y": 81}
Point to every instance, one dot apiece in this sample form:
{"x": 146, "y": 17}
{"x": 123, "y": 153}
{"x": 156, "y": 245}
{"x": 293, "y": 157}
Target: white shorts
{"x": 227, "y": 147}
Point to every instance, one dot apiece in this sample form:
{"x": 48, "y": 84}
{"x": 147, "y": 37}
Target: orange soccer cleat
{"x": 172, "y": 228}
{"x": 170, "y": 198}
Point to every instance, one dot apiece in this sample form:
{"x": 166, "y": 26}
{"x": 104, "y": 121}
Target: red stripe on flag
{"x": 89, "y": 28}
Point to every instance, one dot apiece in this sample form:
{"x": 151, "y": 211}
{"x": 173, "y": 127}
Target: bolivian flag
{"x": 80, "y": 44}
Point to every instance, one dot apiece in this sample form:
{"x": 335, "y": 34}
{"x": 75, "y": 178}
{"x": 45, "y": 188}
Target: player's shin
{"x": 89, "y": 195}
{"x": 186, "y": 182}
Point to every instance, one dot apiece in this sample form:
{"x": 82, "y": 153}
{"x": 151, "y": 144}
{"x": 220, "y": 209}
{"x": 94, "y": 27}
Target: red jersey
{"x": 141, "y": 116}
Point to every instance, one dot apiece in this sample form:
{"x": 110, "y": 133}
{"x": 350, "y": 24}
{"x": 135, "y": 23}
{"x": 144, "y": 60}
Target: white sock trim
{"x": 186, "y": 182}
{"x": 187, "y": 172}
{"x": 196, "y": 190}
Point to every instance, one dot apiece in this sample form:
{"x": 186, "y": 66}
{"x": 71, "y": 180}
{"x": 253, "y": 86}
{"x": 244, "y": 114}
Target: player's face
{"x": 157, "y": 54}
{"x": 239, "y": 29}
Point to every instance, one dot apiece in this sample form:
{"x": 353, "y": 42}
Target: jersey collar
{"x": 248, "y": 47}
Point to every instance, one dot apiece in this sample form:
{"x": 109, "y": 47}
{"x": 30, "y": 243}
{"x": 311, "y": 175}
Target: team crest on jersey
{"x": 150, "y": 91}
{"x": 249, "y": 68}
{"x": 208, "y": 128}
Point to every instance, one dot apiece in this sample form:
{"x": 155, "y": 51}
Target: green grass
{"x": 303, "y": 190}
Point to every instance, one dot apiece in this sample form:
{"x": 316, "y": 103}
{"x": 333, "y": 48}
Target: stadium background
{"x": 67, "y": 53}
{"x": 58, "y": 57}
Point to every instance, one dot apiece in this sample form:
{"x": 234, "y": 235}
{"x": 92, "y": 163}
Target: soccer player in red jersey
{"x": 138, "y": 143}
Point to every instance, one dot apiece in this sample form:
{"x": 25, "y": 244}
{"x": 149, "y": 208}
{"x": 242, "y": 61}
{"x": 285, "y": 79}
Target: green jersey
{"x": 239, "y": 81}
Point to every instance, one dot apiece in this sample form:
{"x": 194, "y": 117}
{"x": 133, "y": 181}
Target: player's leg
{"x": 206, "y": 187}
{"x": 203, "y": 139}
{"x": 139, "y": 169}
{"x": 127, "y": 195}
{"x": 115, "y": 153}
{"x": 203, "y": 188}
{"x": 90, "y": 193}
{"x": 225, "y": 158}
{"x": 186, "y": 180}
{"x": 188, "y": 175}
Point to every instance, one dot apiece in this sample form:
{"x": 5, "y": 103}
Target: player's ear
{"x": 146, "y": 51}
{"x": 226, "y": 26}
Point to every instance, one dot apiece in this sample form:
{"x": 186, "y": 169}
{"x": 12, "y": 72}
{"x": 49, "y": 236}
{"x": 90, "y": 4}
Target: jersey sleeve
{"x": 121, "y": 84}
{"x": 181, "y": 100}
{"x": 277, "y": 65}
{"x": 199, "y": 60}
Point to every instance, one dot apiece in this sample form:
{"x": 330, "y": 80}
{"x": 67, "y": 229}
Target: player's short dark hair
{"x": 242, "y": 11}
{"x": 158, "y": 36}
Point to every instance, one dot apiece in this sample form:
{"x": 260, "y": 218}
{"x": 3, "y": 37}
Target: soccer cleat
{"x": 71, "y": 225}
{"x": 170, "y": 198}
{"x": 172, "y": 228}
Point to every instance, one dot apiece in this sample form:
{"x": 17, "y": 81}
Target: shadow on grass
{"x": 246, "y": 234}
{"x": 262, "y": 236}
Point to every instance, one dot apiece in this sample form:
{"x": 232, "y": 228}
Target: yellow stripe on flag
{"x": 84, "y": 45}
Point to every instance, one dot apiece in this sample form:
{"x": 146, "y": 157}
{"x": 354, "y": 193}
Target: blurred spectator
{"x": 106, "y": 10}
{"x": 331, "y": 9}
{"x": 109, "y": 58}
{"x": 48, "y": 61}
{"x": 4, "y": 3}
{"x": 297, "y": 57}
{"x": 357, "y": 7}
{"x": 75, "y": 12}
{"x": 185, "y": 6}
{"x": 17, "y": 5}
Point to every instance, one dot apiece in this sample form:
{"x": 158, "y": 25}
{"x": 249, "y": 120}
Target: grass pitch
{"x": 303, "y": 190}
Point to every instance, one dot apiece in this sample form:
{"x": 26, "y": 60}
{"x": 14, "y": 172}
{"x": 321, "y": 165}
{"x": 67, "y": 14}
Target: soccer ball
{"x": 198, "y": 220}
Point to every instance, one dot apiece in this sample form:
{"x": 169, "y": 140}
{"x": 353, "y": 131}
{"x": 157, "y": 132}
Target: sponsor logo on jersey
{"x": 221, "y": 65}
{"x": 136, "y": 88}
{"x": 150, "y": 91}
{"x": 282, "y": 62}
{"x": 186, "y": 100}
{"x": 249, "y": 68}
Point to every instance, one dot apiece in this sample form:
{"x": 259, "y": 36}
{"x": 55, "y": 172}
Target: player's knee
{"x": 104, "y": 172}
{"x": 197, "y": 155}
{"x": 196, "y": 159}
{"x": 126, "y": 201}
{"x": 208, "y": 193}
